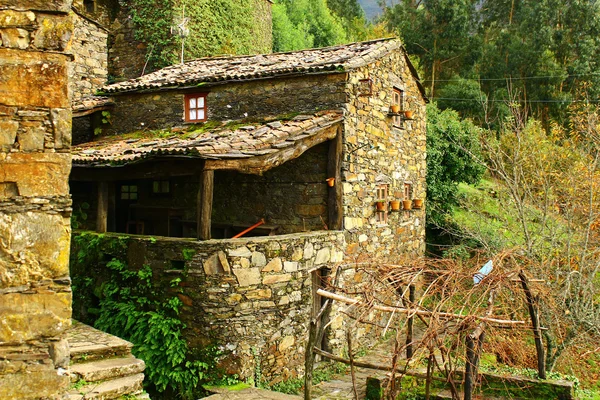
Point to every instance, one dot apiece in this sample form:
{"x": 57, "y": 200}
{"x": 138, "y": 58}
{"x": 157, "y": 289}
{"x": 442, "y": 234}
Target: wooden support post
{"x": 102, "y": 210}
{"x": 535, "y": 323}
{"x": 409, "y": 324}
{"x": 430, "y": 362}
{"x": 334, "y": 170}
{"x": 112, "y": 207}
{"x": 205, "y": 200}
{"x": 309, "y": 358}
{"x": 469, "y": 366}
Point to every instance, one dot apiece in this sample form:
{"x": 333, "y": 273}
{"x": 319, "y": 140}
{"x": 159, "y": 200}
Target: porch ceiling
{"x": 250, "y": 149}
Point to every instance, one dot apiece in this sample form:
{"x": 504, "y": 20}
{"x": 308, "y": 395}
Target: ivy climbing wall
{"x": 141, "y": 39}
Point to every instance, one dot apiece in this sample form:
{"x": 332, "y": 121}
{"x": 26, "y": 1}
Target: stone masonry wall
{"x": 293, "y": 195}
{"x": 90, "y": 52}
{"x": 377, "y": 152}
{"x": 250, "y": 296}
{"x": 260, "y": 99}
{"x": 127, "y": 56}
{"x": 35, "y": 135}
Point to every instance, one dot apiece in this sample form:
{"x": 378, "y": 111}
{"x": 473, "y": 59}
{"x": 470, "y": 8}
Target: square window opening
{"x": 398, "y": 100}
{"x": 195, "y": 107}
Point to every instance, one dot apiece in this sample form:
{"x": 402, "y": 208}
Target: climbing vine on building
{"x": 215, "y": 27}
{"x": 123, "y": 301}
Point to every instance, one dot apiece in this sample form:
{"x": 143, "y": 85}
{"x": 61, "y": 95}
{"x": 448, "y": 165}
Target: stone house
{"x": 307, "y": 149}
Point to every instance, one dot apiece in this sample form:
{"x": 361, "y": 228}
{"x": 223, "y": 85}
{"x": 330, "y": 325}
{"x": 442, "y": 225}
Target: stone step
{"x": 108, "y": 390}
{"x": 101, "y": 370}
{"x": 88, "y": 344}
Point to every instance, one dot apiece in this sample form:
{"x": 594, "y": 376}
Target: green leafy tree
{"x": 452, "y": 157}
{"x": 440, "y": 32}
{"x": 299, "y": 24}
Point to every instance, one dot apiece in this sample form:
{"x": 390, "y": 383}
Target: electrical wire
{"x": 522, "y": 78}
{"x": 517, "y": 101}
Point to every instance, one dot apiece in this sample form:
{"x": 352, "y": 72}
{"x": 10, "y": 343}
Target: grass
{"x": 487, "y": 214}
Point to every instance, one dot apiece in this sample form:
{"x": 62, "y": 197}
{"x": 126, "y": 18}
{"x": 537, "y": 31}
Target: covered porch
{"x": 213, "y": 184}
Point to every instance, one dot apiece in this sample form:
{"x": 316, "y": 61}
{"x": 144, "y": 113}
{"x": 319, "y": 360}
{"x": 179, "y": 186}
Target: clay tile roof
{"x": 223, "y": 143}
{"x": 235, "y": 68}
{"x": 89, "y": 104}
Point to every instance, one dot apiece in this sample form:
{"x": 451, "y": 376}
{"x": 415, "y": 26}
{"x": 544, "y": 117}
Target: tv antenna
{"x": 181, "y": 30}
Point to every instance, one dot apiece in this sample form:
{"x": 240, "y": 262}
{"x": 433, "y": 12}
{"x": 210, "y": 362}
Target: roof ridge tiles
{"x": 246, "y": 67}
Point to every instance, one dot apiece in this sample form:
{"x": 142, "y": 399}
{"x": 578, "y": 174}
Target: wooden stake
{"x": 409, "y": 324}
{"x": 351, "y": 357}
{"x": 535, "y": 322}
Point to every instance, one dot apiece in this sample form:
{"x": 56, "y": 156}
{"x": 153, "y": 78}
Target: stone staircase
{"x": 102, "y": 366}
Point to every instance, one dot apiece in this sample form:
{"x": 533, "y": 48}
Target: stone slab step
{"x": 89, "y": 344}
{"x": 109, "y": 390}
{"x": 100, "y": 370}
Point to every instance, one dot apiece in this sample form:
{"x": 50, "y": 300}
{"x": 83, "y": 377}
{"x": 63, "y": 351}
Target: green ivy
{"x": 129, "y": 306}
{"x": 215, "y": 27}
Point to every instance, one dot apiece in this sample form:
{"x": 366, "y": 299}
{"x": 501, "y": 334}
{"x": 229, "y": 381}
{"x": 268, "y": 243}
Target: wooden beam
{"x": 379, "y": 367}
{"x": 102, "y": 209}
{"x": 413, "y": 311}
{"x": 260, "y": 164}
{"x": 152, "y": 169}
{"x": 334, "y": 170}
{"x": 205, "y": 200}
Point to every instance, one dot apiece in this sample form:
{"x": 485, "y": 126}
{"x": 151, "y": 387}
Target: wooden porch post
{"x": 334, "y": 170}
{"x": 205, "y": 200}
{"x": 102, "y": 212}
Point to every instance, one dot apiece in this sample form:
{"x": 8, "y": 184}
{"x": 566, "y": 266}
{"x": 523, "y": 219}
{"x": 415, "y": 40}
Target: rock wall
{"x": 255, "y": 99}
{"x": 126, "y": 55}
{"x": 379, "y": 152}
{"x": 90, "y": 53}
{"x": 35, "y": 135}
{"x": 252, "y": 297}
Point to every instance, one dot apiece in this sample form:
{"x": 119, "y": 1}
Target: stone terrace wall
{"x": 35, "y": 135}
{"x": 251, "y": 296}
{"x": 255, "y": 99}
{"x": 376, "y": 152}
{"x": 90, "y": 52}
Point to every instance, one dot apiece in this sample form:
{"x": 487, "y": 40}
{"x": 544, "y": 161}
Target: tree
{"x": 299, "y": 24}
{"x": 452, "y": 151}
{"x": 552, "y": 183}
{"x": 438, "y": 31}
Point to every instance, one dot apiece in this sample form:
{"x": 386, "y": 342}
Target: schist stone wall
{"x": 376, "y": 152}
{"x": 253, "y": 297}
{"x": 261, "y": 99}
{"x": 90, "y": 63}
{"x": 35, "y": 135}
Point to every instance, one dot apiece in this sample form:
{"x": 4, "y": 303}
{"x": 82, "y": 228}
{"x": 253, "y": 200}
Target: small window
{"x": 195, "y": 107}
{"x": 382, "y": 194}
{"x": 407, "y": 191}
{"x": 161, "y": 187}
{"x": 129, "y": 192}
{"x": 398, "y": 100}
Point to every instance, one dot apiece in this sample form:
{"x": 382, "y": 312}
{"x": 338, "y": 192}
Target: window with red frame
{"x": 195, "y": 107}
